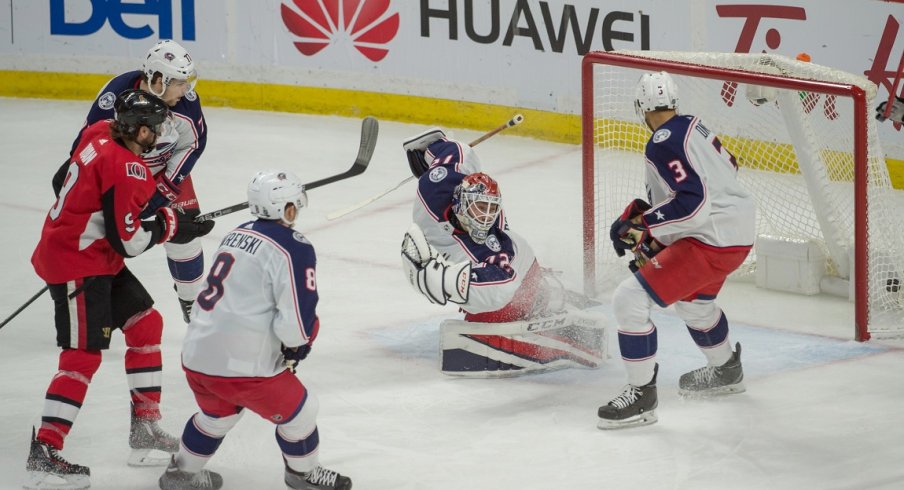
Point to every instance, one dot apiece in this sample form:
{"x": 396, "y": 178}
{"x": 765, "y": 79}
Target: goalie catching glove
{"x": 416, "y": 150}
{"x": 897, "y": 111}
{"x": 430, "y": 273}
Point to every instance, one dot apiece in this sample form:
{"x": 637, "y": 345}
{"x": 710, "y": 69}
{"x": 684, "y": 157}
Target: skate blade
{"x": 149, "y": 457}
{"x": 720, "y": 391}
{"x": 40, "y": 480}
{"x": 640, "y": 420}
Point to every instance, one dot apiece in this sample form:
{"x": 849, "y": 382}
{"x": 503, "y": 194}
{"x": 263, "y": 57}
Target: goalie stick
{"x": 514, "y": 121}
{"x": 369, "y": 130}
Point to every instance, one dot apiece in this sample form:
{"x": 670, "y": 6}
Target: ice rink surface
{"x": 821, "y": 411}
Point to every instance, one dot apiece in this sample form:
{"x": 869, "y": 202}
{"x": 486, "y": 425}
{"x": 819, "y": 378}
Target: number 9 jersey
{"x": 260, "y": 294}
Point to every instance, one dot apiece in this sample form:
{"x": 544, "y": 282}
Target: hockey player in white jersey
{"x": 698, "y": 227}
{"x": 460, "y": 249}
{"x": 255, "y": 320}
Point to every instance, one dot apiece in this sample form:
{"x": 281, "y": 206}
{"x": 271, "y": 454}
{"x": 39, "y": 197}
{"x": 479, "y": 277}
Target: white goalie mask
{"x": 477, "y": 203}
{"x": 654, "y": 92}
{"x": 269, "y": 192}
{"x": 172, "y": 61}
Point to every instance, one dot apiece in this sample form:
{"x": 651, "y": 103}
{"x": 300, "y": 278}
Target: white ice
{"x": 821, "y": 411}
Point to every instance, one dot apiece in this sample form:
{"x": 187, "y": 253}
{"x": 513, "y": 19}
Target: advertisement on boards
{"x": 522, "y": 53}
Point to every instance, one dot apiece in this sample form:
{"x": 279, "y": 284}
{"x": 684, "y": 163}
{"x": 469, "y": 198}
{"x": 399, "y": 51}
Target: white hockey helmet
{"x": 172, "y": 61}
{"x": 654, "y": 92}
{"x": 269, "y": 192}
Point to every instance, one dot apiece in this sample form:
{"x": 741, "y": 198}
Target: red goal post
{"x": 806, "y": 141}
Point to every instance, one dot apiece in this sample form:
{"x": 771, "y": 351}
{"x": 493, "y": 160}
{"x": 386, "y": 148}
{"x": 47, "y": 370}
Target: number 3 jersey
{"x": 692, "y": 184}
{"x": 94, "y": 223}
{"x": 260, "y": 294}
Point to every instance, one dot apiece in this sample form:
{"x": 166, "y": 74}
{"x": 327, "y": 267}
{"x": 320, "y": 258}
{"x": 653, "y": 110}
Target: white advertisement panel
{"x": 523, "y": 53}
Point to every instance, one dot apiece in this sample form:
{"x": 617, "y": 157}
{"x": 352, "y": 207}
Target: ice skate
{"x": 185, "y": 306}
{"x": 148, "y": 442}
{"x": 46, "y": 469}
{"x": 726, "y": 379}
{"x": 319, "y": 478}
{"x": 175, "y": 479}
{"x": 635, "y": 406}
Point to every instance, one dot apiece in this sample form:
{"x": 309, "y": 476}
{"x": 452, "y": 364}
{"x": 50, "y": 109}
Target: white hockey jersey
{"x": 260, "y": 294}
{"x": 501, "y": 264}
{"x": 692, "y": 184}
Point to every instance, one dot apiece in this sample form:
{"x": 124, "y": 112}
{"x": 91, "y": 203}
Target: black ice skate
{"x": 319, "y": 478}
{"x": 709, "y": 381}
{"x": 175, "y": 479}
{"x": 185, "y": 306}
{"x": 145, "y": 437}
{"x": 45, "y": 468}
{"x": 635, "y": 406}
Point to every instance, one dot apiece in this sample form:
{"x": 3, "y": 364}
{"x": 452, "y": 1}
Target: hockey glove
{"x": 167, "y": 192}
{"x": 896, "y": 114}
{"x": 624, "y": 225}
{"x": 167, "y": 224}
{"x": 293, "y": 355}
{"x": 189, "y": 229}
{"x": 416, "y": 150}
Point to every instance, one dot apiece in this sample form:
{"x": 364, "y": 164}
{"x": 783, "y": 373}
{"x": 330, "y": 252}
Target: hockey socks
{"x": 66, "y": 394}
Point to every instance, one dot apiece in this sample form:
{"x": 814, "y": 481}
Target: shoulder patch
{"x": 300, "y": 238}
{"x": 106, "y": 101}
{"x": 493, "y": 243}
{"x": 137, "y": 170}
{"x": 191, "y": 96}
{"x": 661, "y": 135}
{"x": 438, "y": 174}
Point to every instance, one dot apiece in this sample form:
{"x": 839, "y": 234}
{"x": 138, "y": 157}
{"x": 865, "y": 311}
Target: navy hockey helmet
{"x": 136, "y": 108}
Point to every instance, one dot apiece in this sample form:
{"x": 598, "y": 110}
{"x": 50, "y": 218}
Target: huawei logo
{"x": 319, "y": 23}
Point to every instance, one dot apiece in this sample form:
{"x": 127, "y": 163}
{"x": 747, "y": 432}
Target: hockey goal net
{"x": 805, "y": 140}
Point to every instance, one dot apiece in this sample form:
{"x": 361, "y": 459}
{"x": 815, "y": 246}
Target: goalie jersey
{"x": 692, "y": 185}
{"x": 504, "y": 268}
{"x": 260, "y": 294}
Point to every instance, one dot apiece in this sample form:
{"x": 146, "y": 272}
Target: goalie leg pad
{"x": 490, "y": 350}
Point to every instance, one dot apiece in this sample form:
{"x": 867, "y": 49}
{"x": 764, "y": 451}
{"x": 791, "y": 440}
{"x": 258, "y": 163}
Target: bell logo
{"x": 319, "y": 23}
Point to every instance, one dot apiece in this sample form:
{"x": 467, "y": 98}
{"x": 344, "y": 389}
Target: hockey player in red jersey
{"x": 93, "y": 226}
{"x": 698, "y": 227}
{"x": 168, "y": 72}
{"x": 256, "y": 319}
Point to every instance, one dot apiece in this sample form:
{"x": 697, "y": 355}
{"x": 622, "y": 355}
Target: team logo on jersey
{"x": 137, "y": 170}
{"x": 438, "y": 174}
{"x": 661, "y": 135}
{"x": 493, "y": 243}
{"x": 106, "y": 101}
{"x": 300, "y": 238}
{"x": 191, "y": 96}
{"x": 365, "y": 24}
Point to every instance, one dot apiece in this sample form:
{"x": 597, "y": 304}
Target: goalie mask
{"x": 271, "y": 190}
{"x": 477, "y": 203}
{"x": 655, "y": 92}
{"x": 171, "y": 60}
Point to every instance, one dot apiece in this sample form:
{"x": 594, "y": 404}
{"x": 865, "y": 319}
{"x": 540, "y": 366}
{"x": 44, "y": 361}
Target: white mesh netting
{"x": 795, "y": 152}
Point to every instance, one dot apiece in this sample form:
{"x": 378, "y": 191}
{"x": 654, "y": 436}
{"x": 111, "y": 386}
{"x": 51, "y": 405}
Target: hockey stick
{"x": 514, "y": 121}
{"x": 37, "y": 295}
{"x": 369, "y": 130}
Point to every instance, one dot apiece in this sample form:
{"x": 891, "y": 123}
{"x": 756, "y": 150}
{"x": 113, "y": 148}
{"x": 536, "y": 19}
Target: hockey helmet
{"x": 655, "y": 92}
{"x": 477, "y": 203}
{"x": 172, "y": 61}
{"x": 136, "y": 108}
{"x": 269, "y": 192}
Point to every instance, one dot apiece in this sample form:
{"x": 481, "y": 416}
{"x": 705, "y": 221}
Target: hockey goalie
{"x": 518, "y": 317}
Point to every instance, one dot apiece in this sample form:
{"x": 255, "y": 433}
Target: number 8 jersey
{"x": 260, "y": 294}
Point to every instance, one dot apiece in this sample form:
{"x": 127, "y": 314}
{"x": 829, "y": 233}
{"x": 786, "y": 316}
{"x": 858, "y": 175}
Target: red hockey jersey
{"x": 94, "y": 223}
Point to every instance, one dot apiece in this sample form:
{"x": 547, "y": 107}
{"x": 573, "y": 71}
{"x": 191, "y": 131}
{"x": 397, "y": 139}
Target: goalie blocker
{"x": 570, "y": 339}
